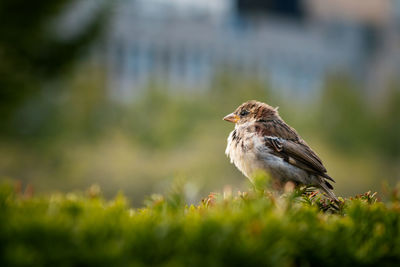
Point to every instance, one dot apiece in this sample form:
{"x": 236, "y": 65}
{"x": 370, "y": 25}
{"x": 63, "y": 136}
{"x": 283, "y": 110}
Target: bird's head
{"x": 252, "y": 111}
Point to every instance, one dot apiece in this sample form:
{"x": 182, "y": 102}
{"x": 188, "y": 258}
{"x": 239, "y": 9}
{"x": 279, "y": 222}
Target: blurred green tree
{"x": 345, "y": 116}
{"x": 32, "y": 52}
{"x": 390, "y": 126}
{"x": 356, "y": 124}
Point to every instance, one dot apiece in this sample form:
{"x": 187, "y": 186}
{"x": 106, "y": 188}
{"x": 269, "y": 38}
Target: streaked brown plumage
{"x": 261, "y": 140}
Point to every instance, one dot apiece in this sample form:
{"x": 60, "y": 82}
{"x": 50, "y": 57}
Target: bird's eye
{"x": 244, "y": 113}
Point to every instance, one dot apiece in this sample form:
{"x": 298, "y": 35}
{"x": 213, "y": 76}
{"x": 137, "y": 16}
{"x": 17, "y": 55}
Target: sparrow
{"x": 262, "y": 141}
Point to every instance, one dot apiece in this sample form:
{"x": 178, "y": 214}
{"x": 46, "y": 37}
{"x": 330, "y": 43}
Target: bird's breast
{"x": 240, "y": 149}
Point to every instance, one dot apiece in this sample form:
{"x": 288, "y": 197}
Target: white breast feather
{"x": 244, "y": 158}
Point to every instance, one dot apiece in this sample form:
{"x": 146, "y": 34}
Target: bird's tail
{"x": 328, "y": 191}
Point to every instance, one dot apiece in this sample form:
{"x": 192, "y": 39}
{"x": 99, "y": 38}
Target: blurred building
{"x": 291, "y": 44}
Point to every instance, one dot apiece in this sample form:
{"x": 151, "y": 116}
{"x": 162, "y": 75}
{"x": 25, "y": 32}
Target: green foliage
{"x": 160, "y": 120}
{"x": 345, "y": 116}
{"x": 390, "y": 143}
{"x": 249, "y": 229}
{"x": 355, "y": 123}
{"x": 33, "y": 52}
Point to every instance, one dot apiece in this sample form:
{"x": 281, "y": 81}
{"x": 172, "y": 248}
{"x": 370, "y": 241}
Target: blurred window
{"x": 287, "y": 8}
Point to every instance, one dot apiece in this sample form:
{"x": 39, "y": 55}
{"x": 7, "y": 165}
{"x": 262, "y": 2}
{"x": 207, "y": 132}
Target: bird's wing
{"x": 277, "y": 128}
{"x": 287, "y": 144}
{"x": 299, "y": 155}
{"x": 295, "y": 153}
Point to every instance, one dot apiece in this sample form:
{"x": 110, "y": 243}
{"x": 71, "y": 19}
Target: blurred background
{"x": 130, "y": 94}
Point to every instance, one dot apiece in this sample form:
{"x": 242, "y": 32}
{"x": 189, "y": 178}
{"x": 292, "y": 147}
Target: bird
{"x": 263, "y": 141}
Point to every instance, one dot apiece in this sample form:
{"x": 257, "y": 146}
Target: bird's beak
{"x": 231, "y": 118}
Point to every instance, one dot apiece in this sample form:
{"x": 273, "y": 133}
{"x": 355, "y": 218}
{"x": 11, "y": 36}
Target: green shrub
{"x": 249, "y": 229}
